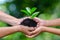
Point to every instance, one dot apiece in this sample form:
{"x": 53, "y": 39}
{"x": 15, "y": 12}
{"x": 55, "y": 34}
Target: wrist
{"x": 14, "y": 28}
{"x": 43, "y": 23}
{"x": 18, "y": 22}
{"x": 46, "y": 23}
{"x": 17, "y": 28}
{"x": 42, "y": 28}
{"x": 45, "y": 29}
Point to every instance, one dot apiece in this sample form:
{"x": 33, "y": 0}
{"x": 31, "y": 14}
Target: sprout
{"x": 30, "y": 12}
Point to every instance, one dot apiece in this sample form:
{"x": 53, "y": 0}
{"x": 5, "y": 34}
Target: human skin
{"x": 54, "y": 22}
{"x": 9, "y": 19}
{"x": 43, "y": 27}
{"x": 4, "y": 31}
{"x": 12, "y": 21}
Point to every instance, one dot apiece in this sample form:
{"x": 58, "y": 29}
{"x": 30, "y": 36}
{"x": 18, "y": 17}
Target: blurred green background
{"x": 49, "y": 9}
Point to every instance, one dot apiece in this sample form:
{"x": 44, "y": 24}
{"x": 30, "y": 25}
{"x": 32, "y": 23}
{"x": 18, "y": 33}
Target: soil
{"x": 29, "y": 22}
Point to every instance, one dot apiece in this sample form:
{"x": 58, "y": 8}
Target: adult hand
{"x": 26, "y": 30}
{"x": 20, "y": 20}
{"x": 40, "y": 22}
{"x": 37, "y": 31}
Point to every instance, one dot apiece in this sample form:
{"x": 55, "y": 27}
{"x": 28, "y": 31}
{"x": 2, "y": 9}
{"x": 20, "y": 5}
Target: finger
{"x": 36, "y": 31}
{"x": 38, "y": 24}
{"x": 36, "y": 19}
{"x": 28, "y": 36}
{"x": 26, "y": 32}
{"x": 35, "y": 28}
{"x": 23, "y": 18}
{"x": 30, "y": 28}
{"x": 32, "y": 35}
{"x": 27, "y": 28}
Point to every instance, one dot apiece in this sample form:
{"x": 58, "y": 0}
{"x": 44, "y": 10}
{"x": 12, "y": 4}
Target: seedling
{"x": 31, "y": 13}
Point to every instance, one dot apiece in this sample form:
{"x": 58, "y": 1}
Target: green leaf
{"x": 33, "y": 9}
{"x": 25, "y": 12}
{"x": 28, "y": 10}
{"x": 34, "y": 15}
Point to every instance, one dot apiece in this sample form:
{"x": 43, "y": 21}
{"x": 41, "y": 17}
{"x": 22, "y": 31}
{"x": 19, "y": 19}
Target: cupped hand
{"x": 36, "y": 32}
{"x": 40, "y": 22}
{"x": 20, "y": 20}
{"x": 30, "y": 31}
{"x": 26, "y": 30}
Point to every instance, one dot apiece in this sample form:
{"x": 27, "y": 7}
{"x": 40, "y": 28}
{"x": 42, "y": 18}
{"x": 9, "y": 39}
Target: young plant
{"x": 29, "y": 21}
{"x": 30, "y": 12}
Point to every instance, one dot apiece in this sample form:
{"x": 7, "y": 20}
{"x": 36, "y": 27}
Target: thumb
{"x": 30, "y": 28}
